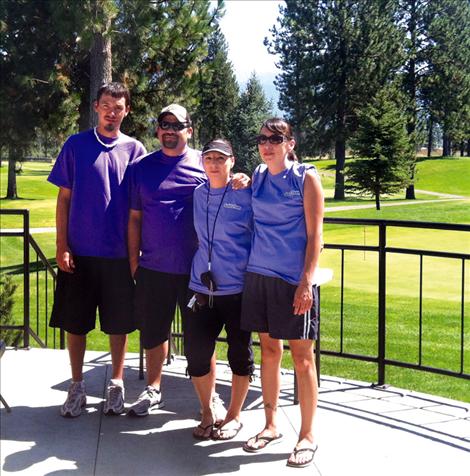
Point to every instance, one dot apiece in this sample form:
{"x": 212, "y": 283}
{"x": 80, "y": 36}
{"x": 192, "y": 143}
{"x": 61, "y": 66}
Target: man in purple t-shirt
{"x": 92, "y": 214}
{"x": 162, "y": 240}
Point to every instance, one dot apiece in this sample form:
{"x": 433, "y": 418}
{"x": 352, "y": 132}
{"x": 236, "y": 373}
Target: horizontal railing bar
{"x": 346, "y": 355}
{"x": 12, "y": 233}
{"x": 13, "y": 211}
{"x": 398, "y": 223}
{"x": 339, "y": 246}
{"x": 427, "y": 368}
{"x": 439, "y": 254}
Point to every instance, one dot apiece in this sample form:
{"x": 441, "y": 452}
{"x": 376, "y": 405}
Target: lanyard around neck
{"x": 210, "y": 238}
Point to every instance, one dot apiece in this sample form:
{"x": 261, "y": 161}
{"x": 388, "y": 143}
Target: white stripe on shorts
{"x": 306, "y": 324}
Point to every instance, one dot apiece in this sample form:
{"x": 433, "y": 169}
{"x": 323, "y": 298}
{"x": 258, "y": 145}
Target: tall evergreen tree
{"x": 218, "y": 91}
{"x": 382, "y": 145}
{"x": 47, "y": 48}
{"x": 334, "y": 56}
{"x": 253, "y": 109}
{"x": 447, "y": 87}
{"x": 411, "y": 19}
{"x": 33, "y": 90}
{"x": 159, "y": 47}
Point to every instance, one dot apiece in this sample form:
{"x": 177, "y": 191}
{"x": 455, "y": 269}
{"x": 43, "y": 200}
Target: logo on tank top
{"x": 233, "y": 206}
{"x": 292, "y": 193}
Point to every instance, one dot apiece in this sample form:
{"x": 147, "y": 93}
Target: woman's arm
{"x": 313, "y": 210}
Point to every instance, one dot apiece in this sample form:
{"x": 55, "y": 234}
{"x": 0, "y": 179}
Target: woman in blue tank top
{"x": 279, "y": 299}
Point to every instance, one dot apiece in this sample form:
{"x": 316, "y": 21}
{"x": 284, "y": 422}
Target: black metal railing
{"x": 38, "y": 284}
{"x": 381, "y": 249}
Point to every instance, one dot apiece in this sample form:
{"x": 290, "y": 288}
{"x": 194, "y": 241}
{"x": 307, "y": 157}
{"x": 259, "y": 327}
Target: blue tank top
{"x": 280, "y": 236}
{"x": 232, "y": 238}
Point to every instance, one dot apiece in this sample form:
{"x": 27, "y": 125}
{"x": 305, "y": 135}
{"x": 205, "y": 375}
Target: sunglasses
{"x": 220, "y": 160}
{"x": 176, "y": 126}
{"x": 274, "y": 139}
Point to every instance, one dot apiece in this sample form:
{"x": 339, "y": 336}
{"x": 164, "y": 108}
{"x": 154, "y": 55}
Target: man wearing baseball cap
{"x": 162, "y": 240}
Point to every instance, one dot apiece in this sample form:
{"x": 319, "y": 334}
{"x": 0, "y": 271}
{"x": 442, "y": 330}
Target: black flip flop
{"x": 204, "y": 429}
{"x": 269, "y": 440}
{"x": 306, "y": 463}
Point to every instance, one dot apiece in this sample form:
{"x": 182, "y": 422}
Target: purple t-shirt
{"x": 280, "y": 236}
{"x": 98, "y": 178}
{"x": 162, "y": 189}
{"x": 232, "y": 238}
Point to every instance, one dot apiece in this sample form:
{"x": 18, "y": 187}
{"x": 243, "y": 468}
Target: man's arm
{"x": 63, "y": 254}
{"x": 133, "y": 238}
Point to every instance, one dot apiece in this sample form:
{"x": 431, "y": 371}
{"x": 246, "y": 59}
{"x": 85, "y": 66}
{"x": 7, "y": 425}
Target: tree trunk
{"x": 468, "y": 147}
{"x": 430, "y": 135}
{"x": 11, "y": 186}
{"x": 100, "y": 67}
{"x": 410, "y": 192}
{"x": 340, "y": 155}
{"x": 462, "y": 148}
{"x": 377, "y": 201}
{"x": 446, "y": 146}
{"x": 410, "y": 83}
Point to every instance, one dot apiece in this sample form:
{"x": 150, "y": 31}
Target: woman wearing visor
{"x": 279, "y": 299}
{"x": 224, "y": 223}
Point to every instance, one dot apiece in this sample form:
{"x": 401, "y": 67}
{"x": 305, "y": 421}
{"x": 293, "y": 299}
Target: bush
{"x": 7, "y": 291}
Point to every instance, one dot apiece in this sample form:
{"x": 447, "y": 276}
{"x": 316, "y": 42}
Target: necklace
{"x": 108, "y": 146}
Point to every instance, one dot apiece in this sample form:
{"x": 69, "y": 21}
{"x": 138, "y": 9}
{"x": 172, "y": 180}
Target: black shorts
{"x": 267, "y": 307}
{"x": 203, "y": 326}
{"x": 156, "y": 295}
{"x": 103, "y": 283}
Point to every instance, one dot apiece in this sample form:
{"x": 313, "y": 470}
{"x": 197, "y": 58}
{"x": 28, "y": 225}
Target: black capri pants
{"x": 201, "y": 328}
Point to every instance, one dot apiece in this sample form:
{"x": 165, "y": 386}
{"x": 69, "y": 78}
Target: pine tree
{"x": 253, "y": 109}
{"x": 334, "y": 56}
{"x": 158, "y": 51}
{"x": 411, "y": 14}
{"x": 382, "y": 147}
{"x": 447, "y": 87}
{"x": 218, "y": 91}
{"x": 33, "y": 91}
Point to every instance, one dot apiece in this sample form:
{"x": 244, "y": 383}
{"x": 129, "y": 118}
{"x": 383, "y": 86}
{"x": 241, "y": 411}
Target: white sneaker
{"x": 218, "y": 408}
{"x": 114, "y": 404}
{"x": 150, "y": 398}
{"x": 76, "y": 400}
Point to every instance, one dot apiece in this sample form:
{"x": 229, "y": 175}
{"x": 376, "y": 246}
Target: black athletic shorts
{"x": 202, "y": 327}
{"x": 103, "y": 283}
{"x": 156, "y": 295}
{"x": 267, "y": 307}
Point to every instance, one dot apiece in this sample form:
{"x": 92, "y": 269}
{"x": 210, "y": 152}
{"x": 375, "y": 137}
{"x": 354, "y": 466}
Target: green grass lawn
{"x": 441, "y": 279}
{"x": 35, "y": 192}
{"x": 456, "y": 171}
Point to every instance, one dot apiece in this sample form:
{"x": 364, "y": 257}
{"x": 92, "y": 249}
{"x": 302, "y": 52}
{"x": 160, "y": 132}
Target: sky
{"x": 245, "y": 25}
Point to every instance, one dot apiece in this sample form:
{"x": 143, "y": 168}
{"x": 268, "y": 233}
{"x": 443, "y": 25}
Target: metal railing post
{"x": 382, "y": 302}
{"x": 26, "y": 283}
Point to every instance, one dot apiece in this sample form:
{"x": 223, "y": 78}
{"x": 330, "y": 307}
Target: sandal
{"x": 203, "y": 432}
{"x": 227, "y": 431}
{"x": 307, "y": 462}
{"x": 266, "y": 440}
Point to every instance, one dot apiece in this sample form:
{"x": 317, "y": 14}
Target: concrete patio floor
{"x": 361, "y": 430}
